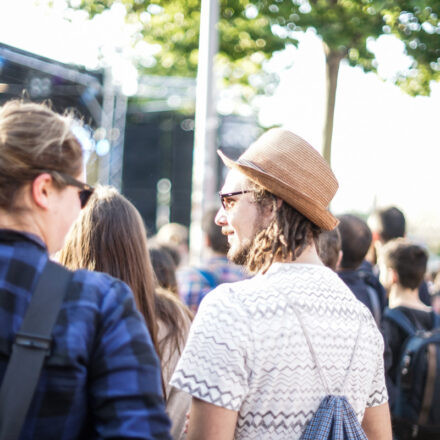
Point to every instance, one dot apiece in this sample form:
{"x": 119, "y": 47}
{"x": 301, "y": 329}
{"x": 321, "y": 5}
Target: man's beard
{"x": 240, "y": 255}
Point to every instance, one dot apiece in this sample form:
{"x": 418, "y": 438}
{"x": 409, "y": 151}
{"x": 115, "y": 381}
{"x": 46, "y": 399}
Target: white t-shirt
{"x": 246, "y": 350}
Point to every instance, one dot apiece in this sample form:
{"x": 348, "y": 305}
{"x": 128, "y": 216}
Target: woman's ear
{"x": 41, "y": 188}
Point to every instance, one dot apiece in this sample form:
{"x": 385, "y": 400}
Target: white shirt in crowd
{"x": 247, "y": 352}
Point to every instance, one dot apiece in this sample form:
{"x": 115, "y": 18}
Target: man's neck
{"x": 308, "y": 256}
{"x": 401, "y": 296}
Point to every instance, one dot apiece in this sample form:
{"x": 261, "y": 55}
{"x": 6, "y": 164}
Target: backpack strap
{"x": 209, "y": 276}
{"x": 428, "y": 394}
{"x": 400, "y": 319}
{"x": 32, "y": 344}
{"x": 374, "y": 301}
{"x": 315, "y": 357}
{"x": 373, "y": 294}
{"x": 312, "y": 351}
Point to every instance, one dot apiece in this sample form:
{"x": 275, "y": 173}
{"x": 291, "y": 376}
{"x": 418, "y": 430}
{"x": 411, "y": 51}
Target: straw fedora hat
{"x": 293, "y": 170}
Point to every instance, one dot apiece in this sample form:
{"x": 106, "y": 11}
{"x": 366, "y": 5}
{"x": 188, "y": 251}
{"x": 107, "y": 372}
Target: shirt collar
{"x": 278, "y": 266}
{"x": 10, "y": 235}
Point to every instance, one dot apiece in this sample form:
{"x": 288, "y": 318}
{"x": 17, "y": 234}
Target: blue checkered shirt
{"x": 195, "y": 283}
{"x": 102, "y": 379}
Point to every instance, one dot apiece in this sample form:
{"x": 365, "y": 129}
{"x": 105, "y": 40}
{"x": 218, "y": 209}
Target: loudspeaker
{"x": 158, "y": 146}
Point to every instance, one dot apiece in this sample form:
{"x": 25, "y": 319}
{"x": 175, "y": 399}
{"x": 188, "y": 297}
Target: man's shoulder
{"x": 229, "y": 297}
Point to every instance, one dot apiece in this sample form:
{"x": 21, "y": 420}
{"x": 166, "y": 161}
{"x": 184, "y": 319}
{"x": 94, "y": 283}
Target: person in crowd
{"x": 387, "y": 224}
{"x": 164, "y": 268}
{"x": 356, "y": 240}
{"x": 435, "y": 296}
{"x": 196, "y": 281}
{"x": 172, "y": 251}
{"x": 247, "y": 362}
{"x": 404, "y": 266}
{"x": 436, "y": 302}
{"x": 102, "y": 377}
{"x": 174, "y": 236}
{"x": 329, "y": 248}
{"x": 109, "y": 236}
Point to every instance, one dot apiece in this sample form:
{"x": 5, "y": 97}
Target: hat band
{"x": 249, "y": 164}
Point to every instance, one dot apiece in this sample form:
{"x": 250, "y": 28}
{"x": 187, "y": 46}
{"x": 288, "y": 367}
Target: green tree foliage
{"x": 246, "y": 38}
{"x": 417, "y": 24}
{"x": 252, "y": 30}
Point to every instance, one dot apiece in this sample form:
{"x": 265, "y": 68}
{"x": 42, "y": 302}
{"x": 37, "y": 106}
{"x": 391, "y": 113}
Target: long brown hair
{"x": 284, "y": 239}
{"x": 177, "y": 318}
{"x": 109, "y": 236}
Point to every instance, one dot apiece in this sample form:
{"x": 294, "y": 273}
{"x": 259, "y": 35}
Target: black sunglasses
{"x": 86, "y": 189}
{"x": 224, "y": 196}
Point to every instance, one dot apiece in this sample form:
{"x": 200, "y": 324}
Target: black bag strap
{"x": 401, "y": 320}
{"x": 32, "y": 344}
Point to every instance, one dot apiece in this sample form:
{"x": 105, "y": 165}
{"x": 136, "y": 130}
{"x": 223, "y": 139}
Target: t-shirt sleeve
{"x": 378, "y": 391}
{"x": 214, "y": 366}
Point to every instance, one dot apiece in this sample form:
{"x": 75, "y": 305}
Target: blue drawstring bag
{"x": 335, "y": 418}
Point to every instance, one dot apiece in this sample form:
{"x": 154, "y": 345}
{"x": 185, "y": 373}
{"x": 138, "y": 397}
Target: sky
{"x": 385, "y": 143}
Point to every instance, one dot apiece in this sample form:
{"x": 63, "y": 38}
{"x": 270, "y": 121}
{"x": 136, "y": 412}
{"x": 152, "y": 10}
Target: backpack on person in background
{"x": 417, "y": 403}
{"x": 209, "y": 277}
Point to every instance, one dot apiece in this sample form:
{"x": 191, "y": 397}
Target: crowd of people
{"x": 296, "y": 324}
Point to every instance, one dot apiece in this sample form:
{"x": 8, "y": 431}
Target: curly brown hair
{"x": 284, "y": 239}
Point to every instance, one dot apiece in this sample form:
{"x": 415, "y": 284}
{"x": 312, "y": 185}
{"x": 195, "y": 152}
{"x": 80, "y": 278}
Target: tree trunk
{"x": 333, "y": 60}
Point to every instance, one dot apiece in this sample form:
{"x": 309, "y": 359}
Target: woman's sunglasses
{"x": 86, "y": 190}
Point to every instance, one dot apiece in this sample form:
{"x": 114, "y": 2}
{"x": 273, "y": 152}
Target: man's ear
{"x": 279, "y": 202}
{"x": 41, "y": 188}
{"x": 338, "y": 262}
{"x": 207, "y": 240}
{"x": 394, "y": 276}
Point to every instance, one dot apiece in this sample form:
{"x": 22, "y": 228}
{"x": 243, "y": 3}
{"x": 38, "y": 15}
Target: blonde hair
{"x": 172, "y": 233}
{"x": 34, "y": 138}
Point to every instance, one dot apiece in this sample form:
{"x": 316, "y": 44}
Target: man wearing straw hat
{"x": 262, "y": 353}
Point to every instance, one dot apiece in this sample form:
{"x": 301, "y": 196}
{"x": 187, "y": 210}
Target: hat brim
{"x": 304, "y": 204}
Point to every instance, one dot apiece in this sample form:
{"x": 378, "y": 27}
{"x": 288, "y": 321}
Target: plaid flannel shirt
{"x": 102, "y": 379}
{"x": 195, "y": 283}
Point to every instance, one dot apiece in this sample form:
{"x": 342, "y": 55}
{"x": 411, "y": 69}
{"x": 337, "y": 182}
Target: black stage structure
{"x": 90, "y": 94}
{"x": 151, "y": 139}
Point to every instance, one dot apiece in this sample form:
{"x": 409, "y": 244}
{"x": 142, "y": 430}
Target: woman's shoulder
{"x": 97, "y": 287}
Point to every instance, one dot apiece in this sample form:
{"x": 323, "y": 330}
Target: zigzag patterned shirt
{"x": 246, "y": 350}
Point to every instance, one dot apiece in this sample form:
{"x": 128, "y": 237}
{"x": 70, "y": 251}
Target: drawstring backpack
{"x": 335, "y": 418}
